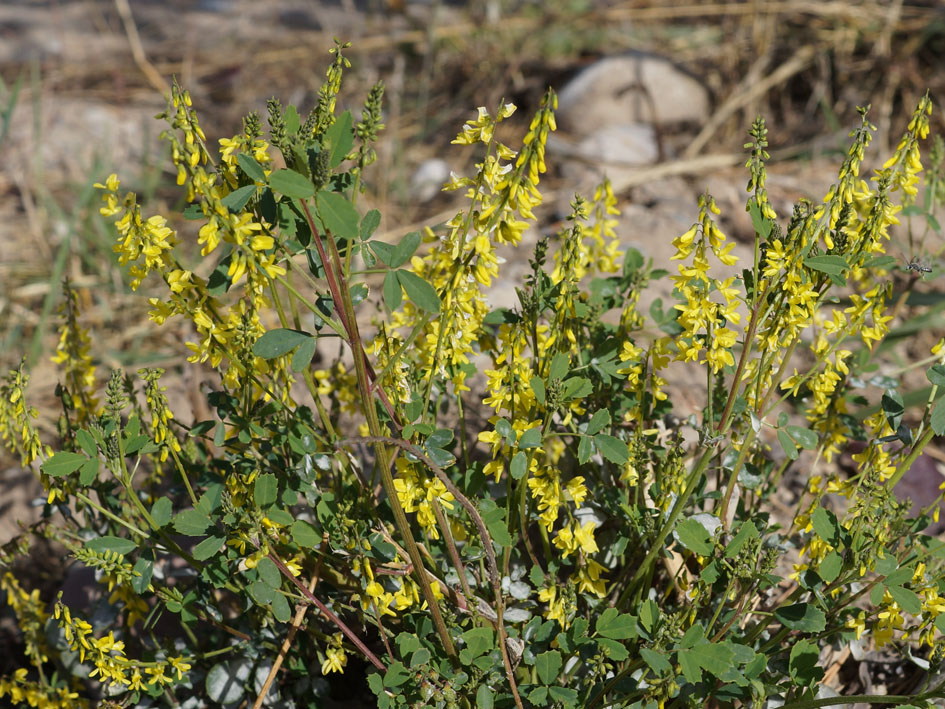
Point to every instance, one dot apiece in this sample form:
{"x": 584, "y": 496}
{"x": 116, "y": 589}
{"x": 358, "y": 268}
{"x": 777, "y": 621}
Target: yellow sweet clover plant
{"x": 470, "y": 507}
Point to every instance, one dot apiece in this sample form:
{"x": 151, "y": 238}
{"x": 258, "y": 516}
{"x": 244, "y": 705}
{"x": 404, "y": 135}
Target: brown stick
{"x": 300, "y": 609}
{"x": 327, "y": 612}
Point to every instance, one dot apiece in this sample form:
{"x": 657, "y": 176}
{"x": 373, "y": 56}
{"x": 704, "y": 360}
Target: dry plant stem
{"x": 458, "y": 598}
{"x": 342, "y": 300}
{"x": 137, "y": 50}
{"x": 801, "y": 58}
{"x": 451, "y": 547}
{"x": 289, "y": 638}
{"x": 483, "y": 533}
{"x": 327, "y": 612}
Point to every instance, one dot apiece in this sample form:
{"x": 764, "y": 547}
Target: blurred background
{"x": 656, "y": 95}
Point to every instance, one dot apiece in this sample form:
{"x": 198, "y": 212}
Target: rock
{"x": 428, "y": 179}
{"x": 631, "y": 88}
{"x": 612, "y": 151}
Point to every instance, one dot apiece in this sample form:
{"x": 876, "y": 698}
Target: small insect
{"x": 916, "y": 267}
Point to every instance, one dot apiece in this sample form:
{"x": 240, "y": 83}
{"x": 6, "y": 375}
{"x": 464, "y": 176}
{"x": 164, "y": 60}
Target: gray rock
{"x": 631, "y": 88}
{"x": 428, "y": 179}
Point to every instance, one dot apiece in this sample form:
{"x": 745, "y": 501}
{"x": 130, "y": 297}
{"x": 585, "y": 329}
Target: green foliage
{"x": 555, "y": 532}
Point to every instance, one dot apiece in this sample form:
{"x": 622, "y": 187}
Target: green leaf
{"x": 280, "y": 608}
{"x": 63, "y": 463}
{"x": 208, "y": 548}
{"x": 269, "y": 573}
{"x": 566, "y": 696}
{"x": 655, "y": 660}
{"x": 498, "y": 529}
{"x": 803, "y": 617}
{"x": 393, "y": 296}
{"x": 614, "y": 649}
{"x": 278, "y": 342}
{"x": 803, "y": 663}
{"x": 690, "y": 667}
{"x": 804, "y": 437}
{"x": 407, "y": 643}
{"x": 907, "y": 600}
{"x": 161, "y": 511}
{"x": 825, "y": 524}
{"x": 548, "y": 665}
{"x": 935, "y": 374}
{"x": 86, "y": 442}
{"x": 694, "y": 537}
{"x": 761, "y": 223}
{"x": 832, "y": 265}
{"x": 830, "y": 567}
{"x": 419, "y": 291}
{"x": 585, "y": 449}
{"x": 539, "y": 695}
{"x": 715, "y": 658}
{"x": 485, "y": 697}
{"x": 560, "y": 364}
{"x": 937, "y": 420}
{"x": 191, "y": 523}
{"x": 478, "y": 641}
{"x": 787, "y": 444}
{"x": 616, "y": 625}
{"x": 237, "y": 199}
{"x": 530, "y": 438}
{"x": 119, "y": 545}
{"x": 612, "y": 448}
{"x": 576, "y": 388}
{"x": 88, "y": 471}
{"x": 519, "y": 466}
{"x": 369, "y": 223}
{"x": 405, "y": 249}
{"x": 338, "y": 214}
{"x": 420, "y": 657}
{"x": 383, "y": 251}
{"x": 600, "y": 419}
{"x": 291, "y": 184}
{"x": 538, "y": 387}
{"x": 266, "y": 490}
{"x": 893, "y": 407}
{"x": 340, "y": 139}
{"x": 303, "y": 355}
{"x": 144, "y": 566}
{"x": 396, "y": 675}
{"x": 304, "y": 534}
{"x": 649, "y": 615}
{"x": 253, "y": 169}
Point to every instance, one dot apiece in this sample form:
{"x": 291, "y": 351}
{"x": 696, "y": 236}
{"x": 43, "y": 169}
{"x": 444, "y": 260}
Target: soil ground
{"x": 82, "y": 80}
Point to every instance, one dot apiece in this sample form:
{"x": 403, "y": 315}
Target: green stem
{"x": 656, "y": 547}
